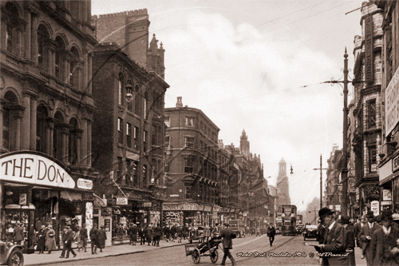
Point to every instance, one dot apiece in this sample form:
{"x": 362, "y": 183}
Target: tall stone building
{"x": 46, "y": 115}
{"x": 366, "y": 137}
{"x": 283, "y": 186}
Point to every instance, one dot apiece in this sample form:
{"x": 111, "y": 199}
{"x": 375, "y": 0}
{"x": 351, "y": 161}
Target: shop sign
{"x": 34, "y": 169}
{"x": 375, "y": 207}
{"x": 147, "y": 204}
{"x": 133, "y": 156}
{"x": 174, "y": 195}
{"x": 84, "y": 183}
{"x": 207, "y": 208}
{"x": 386, "y": 202}
{"x": 121, "y": 201}
{"x": 391, "y": 103}
{"x": 386, "y": 194}
{"x": 171, "y": 207}
{"x": 23, "y": 199}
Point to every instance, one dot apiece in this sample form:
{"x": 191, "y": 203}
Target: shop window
{"x": 189, "y": 164}
{"x": 129, "y": 135}
{"x": 120, "y": 130}
{"x": 189, "y": 142}
{"x": 372, "y": 159}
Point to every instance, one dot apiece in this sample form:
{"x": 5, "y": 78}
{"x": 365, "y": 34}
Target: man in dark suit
{"x": 358, "y": 227}
{"x": 271, "y": 232}
{"x": 366, "y": 236}
{"x": 227, "y": 235}
{"x": 334, "y": 240}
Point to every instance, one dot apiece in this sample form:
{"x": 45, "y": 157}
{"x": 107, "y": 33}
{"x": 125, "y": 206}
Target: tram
{"x": 288, "y": 215}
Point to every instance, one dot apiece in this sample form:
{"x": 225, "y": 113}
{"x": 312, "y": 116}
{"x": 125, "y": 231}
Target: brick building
{"x": 366, "y": 138}
{"x": 46, "y": 115}
{"x": 191, "y": 148}
{"x": 129, "y": 125}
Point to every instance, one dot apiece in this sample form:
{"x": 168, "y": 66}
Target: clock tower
{"x": 283, "y": 184}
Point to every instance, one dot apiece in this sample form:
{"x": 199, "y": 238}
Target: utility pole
{"x": 321, "y": 180}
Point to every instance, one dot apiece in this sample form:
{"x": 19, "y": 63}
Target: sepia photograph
{"x": 209, "y": 132}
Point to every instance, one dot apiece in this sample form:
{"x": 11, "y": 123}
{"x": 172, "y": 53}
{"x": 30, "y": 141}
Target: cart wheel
{"x": 196, "y": 256}
{"x": 214, "y": 256}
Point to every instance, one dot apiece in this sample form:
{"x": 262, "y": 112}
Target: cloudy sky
{"x": 244, "y": 64}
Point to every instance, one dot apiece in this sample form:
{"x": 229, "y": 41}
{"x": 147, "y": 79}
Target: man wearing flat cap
{"x": 334, "y": 240}
{"x": 365, "y": 236}
{"x": 227, "y": 235}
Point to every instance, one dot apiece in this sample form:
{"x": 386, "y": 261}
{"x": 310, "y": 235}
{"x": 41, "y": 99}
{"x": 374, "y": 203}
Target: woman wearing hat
{"x": 50, "y": 239}
{"x": 366, "y": 236}
{"x": 101, "y": 237}
{"x": 41, "y": 242}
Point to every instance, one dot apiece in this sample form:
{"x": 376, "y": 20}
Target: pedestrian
{"x": 93, "y": 239}
{"x": 227, "y": 235}
{"x": 67, "y": 239}
{"x": 215, "y": 230}
{"x": 321, "y": 233}
{"x": 133, "y": 234}
{"x": 166, "y": 232}
{"x": 350, "y": 240}
{"x": 41, "y": 242}
{"x": 257, "y": 231}
{"x": 173, "y": 232}
{"x": 50, "y": 239}
{"x": 83, "y": 237}
{"x": 64, "y": 237}
{"x": 148, "y": 234}
{"x": 185, "y": 231}
{"x": 142, "y": 233}
{"x": 157, "y": 234}
{"x": 179, "y": 233}
{"x": 357, "y": 228}
{"x": 384, "y": 243}
{"x": 101, "y": 237}
{"x": 271, "y": 232}
{"x": 18, "y": 233}
{"x": 334, "y": 242}
{"x": 77, "y": 238}
{"x": 366, "y": 236}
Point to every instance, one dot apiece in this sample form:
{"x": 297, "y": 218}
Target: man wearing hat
{"x": 334, "y": 240}
{"x": 227, "y": 235}
{"x": 358, "y": 227}
{"x": 18, "y": 233}
{"x": 350, "y": 240}
{"x": 384, "y": 245}
{"x": 366, "y": 236}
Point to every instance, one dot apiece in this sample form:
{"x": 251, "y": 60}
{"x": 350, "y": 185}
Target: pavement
{"x": 117, "y": 250}
{"x": 54, "y": 257}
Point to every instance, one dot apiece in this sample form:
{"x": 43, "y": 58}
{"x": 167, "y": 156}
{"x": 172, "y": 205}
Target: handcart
{"x": 208, "y": 248}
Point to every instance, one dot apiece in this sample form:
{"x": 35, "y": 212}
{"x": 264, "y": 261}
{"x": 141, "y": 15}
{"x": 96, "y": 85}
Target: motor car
{"x": 196, "y": 234}
{"x": 310, "y": 231}
{"x": 299, "y": 229}
{"x": 11, "y": 254}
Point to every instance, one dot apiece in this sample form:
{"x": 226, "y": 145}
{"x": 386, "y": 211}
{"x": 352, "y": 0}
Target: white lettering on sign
{"x": 392, "y": 103}
{"x": 121, "y": 201}
{"x": 34, "y": 169}
{"x": 85, "y": 183}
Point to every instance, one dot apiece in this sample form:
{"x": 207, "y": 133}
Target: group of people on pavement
{"x": 379, "y": 241}
{"x": 46, "y": 239}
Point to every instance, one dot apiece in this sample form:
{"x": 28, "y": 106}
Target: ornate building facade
{"x": 283, "y": 188}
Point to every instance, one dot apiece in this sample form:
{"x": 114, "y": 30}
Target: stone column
{"x": 33, "y": 111}
{"x": 34, "y": 50}
{"x": 89, "y": 143}
{"x": 89, "y": 74}
{"x": 50, "y": 136}
{"x": 27, "y": 36}
{"x": 26, "y": 129}
{"x": 83, "y": 150}
{"x": 79, "y": 133}
{"x": 17, "y": 116}
{"x": 65, "y": 141}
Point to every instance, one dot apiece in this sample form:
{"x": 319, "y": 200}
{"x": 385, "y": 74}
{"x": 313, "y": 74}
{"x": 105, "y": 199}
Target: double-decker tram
{"x": 288, "y": 215}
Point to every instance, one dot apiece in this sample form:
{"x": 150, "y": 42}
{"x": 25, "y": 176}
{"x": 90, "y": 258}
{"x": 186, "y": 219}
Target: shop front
{"x": 36, "y": 191}
{"x": 185, "y": 213}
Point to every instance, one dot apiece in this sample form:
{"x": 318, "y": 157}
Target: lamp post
{"x": 321, "y": 180}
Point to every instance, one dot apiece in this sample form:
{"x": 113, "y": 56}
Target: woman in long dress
{"x": 50, "y": 239}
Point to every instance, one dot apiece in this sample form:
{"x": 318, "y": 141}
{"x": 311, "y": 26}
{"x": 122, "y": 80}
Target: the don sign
{"x": 34, "y": 169}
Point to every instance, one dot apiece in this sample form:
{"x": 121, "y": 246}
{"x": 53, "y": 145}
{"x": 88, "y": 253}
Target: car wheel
{"x": 16, "y": 258}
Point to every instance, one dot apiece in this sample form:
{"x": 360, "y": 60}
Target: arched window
{"x": 74, "y": 71}
{"x": 59, "y": 58}
{"x": 13, "y": 32}
{"x": 42, "y": 36}
{"x": 8, "y": 127}
{"x": 57, "y": 136}
{"x": 73, "y": 142}
{"x": 41, "y": 128}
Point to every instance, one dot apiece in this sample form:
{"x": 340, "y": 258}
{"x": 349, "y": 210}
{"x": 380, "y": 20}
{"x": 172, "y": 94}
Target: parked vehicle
{"x": 197, "y": 234}
{"x": 11, "y": 254}
{"x": 310, "y": 231}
